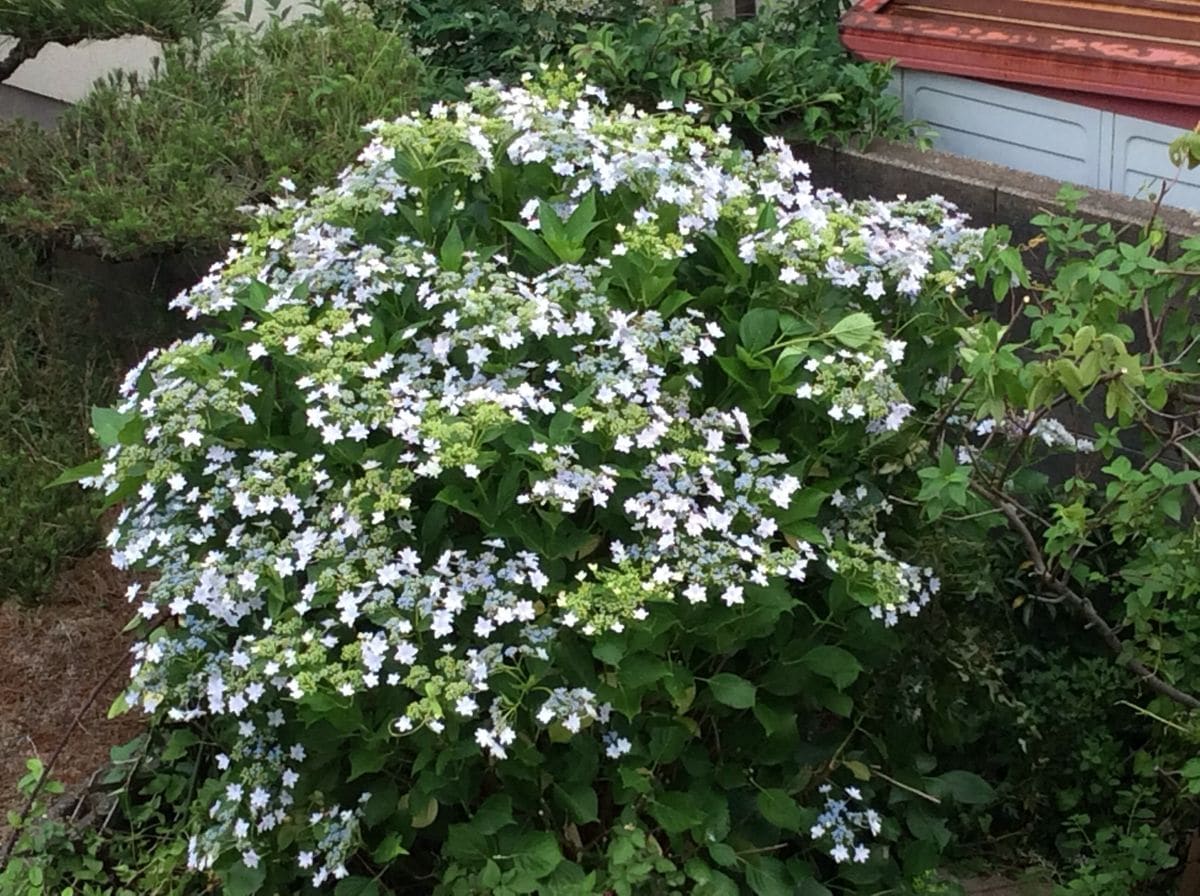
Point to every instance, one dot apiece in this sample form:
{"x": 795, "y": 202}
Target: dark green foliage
{"x": 145, "y": 166}
{"x": 53, "y": 368}
{"x": 471, "y": 40}
{"x": 783, "y": 73}
{"x": 71, "y": 21}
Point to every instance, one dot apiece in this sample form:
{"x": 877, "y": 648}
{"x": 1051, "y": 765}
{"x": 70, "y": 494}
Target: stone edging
{"x": 989, "y": 193}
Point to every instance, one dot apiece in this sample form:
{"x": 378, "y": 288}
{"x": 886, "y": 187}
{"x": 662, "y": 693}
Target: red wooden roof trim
{"x": 1026, "y": 53}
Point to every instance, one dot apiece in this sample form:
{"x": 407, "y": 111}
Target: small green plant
{"x": 114, "y": 840}
{"x": 144, "y": 166}
{"x": 1112, "y": 860}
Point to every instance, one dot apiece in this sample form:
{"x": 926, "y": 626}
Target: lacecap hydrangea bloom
{"x": 457, "y": 406}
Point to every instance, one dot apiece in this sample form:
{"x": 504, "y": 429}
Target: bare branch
{"x": 1083, "y": 606}
{"x": 22, "y": 51}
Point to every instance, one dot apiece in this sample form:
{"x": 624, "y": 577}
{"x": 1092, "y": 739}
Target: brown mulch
{"x": 53, "y": 656}
{"x": 1002, "y": 886}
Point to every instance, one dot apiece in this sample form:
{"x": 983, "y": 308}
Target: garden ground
{"x": 54, "y": 656}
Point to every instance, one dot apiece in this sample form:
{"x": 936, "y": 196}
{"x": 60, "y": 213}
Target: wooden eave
{"x": 1145, "y": 51}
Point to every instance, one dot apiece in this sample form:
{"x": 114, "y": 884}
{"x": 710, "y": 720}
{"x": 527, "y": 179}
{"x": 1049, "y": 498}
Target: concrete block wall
{"x": 1066, "y": 141}
{"x": 988, "y": 192}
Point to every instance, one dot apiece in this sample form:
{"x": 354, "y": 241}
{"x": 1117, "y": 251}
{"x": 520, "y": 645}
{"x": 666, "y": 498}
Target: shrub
{"x": 143, "y": 166}
{"x": 519, "y": 523}
{"x": 473, "y": 40}
{"x": 782, "y": 73}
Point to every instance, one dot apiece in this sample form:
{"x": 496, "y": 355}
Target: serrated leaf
{"x": 757, "y": 328}
{"x": 732, "y": 690}
{"x": 768, "y": 877}
{"x": 579, "y": 800}
{"x": 780, "y": 809}
{"x": 838, "y": 665}
{"x": 242, "y": 881}
{"x": 676, "y": 812}
{"x": 963, "y": 787}
{"x": 854, "y": 330}
{"x": 494, "y": 815}
{"x": 537, "y": 854}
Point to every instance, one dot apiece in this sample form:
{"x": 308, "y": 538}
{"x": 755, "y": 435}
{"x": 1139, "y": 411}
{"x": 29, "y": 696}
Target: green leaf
{"x": 723, "y": 854}
{"x": 242, "y": 881}
{"x": 391, "y": 847}
{"x": 579, "y": 800}
{"x": 640, "y": 670}
{"x": 254, "y": 296}
{"x": 357, "y": 886}
{"x": 178, "y": 744}
{"x": 494, "y": 815}
{"x": 854, "y": 330}
{"x": 120, "y": 706}
{"x": 491, "y": 875}
{"x": 757, "y": 328}
{"x": 768, "y": 877}
{"x": 838, "y": 665}
{"x": 366, "y": 758}
{"x": 451, "y": 255}
{"x": 676, "y": 812}
{"x": 674, "y": 302}
{"x": 812, "y": 887}
{"x": 537, "y": 854}
{"x": 108, "y": 423}
{"x": 964, "y": 787}
{"x": 74, "y": 474}
{"x": 780, "y": 809}
{"x": 582, "y": 220}
{"x": 424, "y": 814}
{"x": 925, "y": 826}
{"x": 531, "y": 241}
{"x": 732, "y": 690}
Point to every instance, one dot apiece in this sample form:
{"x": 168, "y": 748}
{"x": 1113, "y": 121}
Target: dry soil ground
{"x": 52, "y": 657}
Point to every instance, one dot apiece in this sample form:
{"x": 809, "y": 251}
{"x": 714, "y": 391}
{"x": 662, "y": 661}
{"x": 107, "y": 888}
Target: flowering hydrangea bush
{"x": 517, "y": 519}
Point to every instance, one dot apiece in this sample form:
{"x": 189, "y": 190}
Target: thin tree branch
{"x": 1083, "y": 606}
{"x": 22, "y": 51}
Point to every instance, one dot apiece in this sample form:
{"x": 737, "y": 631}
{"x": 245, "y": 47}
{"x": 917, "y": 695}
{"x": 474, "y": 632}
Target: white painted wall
{"x": 1066, "y": 141}
{"x": 67, "y": 73}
